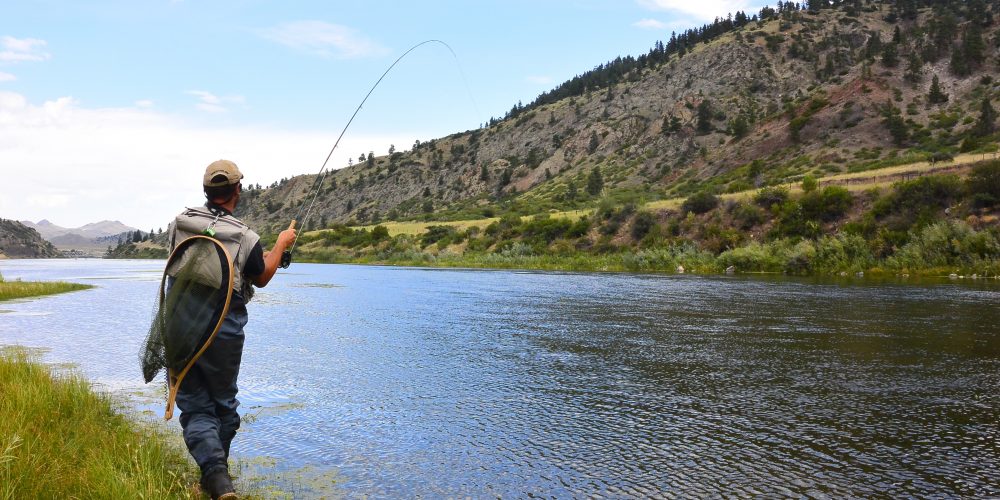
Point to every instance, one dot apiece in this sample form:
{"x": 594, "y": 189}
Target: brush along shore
{"x": 930, "y": 225}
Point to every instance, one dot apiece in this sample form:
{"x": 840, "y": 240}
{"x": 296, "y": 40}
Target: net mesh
{"x": 192, "y": 299}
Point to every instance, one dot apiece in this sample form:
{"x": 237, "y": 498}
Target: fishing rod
{"x": 286, "y": 256}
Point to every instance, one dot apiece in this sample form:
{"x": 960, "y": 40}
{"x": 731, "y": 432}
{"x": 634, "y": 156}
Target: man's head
{"x": 222, "y": 182}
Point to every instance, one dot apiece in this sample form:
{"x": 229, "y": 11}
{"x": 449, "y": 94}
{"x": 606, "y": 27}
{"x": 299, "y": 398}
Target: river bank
{"x": 59, "y": 439}
{"x": 937, "y": 225}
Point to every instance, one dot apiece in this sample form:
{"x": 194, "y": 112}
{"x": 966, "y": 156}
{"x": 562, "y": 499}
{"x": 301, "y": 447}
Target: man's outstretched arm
{"x": 273, "y": 258}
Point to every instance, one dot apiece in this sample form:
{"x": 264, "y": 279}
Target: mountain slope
{"x": 19, "y": 241}
{"x": 791, "y": 93}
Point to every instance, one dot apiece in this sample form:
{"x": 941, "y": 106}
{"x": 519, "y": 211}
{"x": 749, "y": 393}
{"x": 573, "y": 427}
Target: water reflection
{"x": 409, "y": 382}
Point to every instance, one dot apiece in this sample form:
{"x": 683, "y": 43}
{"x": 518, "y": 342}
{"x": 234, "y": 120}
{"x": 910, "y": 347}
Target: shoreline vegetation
{"x": 24, "y": 289}
{"x": 929, "y": 222}
{"x": 59, "y": 439}
{"x": 933, "y": 225}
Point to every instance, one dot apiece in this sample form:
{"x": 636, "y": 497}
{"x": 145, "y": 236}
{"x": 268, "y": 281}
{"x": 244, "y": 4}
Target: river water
{"x": 415, "y": 382}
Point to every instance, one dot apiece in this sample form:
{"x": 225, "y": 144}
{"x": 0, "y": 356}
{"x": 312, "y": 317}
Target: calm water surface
{"x": 411, "y": 382}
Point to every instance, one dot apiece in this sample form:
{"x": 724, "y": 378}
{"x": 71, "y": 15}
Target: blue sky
{"x": 111, "y": 110}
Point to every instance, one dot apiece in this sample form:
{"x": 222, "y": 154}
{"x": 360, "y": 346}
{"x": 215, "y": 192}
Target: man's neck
{"x": 228, "y": 207}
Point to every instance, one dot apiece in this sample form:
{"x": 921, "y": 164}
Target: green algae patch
{"x": 60, "y": 439}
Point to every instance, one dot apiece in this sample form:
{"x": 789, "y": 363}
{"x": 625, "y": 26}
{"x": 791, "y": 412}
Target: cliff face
{"x": 18, "y": 241}
{"x": 799, "y": 93}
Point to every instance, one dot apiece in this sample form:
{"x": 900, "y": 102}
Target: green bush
{"x": 437, "y": 233}
{"x": 770, "y": 196}
{"x": 950, "y": 244}
{"x": 827, "y": 205}
{"x": 746, "y": 216}
{"x": 984, "y": 184}
{"x": 700, "y": 202}
{"x": 642, "y": 224}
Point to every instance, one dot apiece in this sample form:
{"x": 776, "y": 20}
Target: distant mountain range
{"x": 89, "y": 239}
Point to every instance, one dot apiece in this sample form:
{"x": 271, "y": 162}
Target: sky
{"x": 111, "y": 110}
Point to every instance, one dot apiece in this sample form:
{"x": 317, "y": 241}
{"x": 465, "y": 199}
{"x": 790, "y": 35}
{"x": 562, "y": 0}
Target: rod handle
{"x": 292, "y": 225}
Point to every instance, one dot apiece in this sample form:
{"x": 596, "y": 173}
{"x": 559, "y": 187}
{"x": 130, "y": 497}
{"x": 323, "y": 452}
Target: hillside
{"x": 20, "y": 242}
{"x": 89, "y": 240}
{"x": 754, "y": 101}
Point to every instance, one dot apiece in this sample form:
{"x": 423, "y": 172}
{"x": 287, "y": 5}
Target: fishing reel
{"x": 286, "y": 259}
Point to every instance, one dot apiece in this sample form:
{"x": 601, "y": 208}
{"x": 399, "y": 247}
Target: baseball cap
{"x": 225, "y": 168}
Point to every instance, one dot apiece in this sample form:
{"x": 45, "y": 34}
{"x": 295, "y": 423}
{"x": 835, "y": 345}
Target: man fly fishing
{"x": 206, "y": 396}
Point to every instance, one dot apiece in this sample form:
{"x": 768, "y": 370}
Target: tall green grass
{"x": 58, "y": 439}
{"x": 21, "y": 289}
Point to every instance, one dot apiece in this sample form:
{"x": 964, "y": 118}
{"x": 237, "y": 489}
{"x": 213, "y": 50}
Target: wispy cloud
{"x": 323, "y": 39}
{"x": 704, "y": 10}
{"x": 22, "y": 49}
{"x": 215, "y": 104}
{"x": 540, "y": 80}
{"x": 7, "y": 77}
{"x": 144, "y": 103}
{"x": 650, "y": 24}
{"x": 82, "y": 180}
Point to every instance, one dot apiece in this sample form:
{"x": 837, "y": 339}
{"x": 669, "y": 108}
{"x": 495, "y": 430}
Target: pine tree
{"x": 914, "y": 68}
{"x": 936, "y": 95}
{"x": 571, "y": 191}
{"x": 592, "y": 145}
{"x": 595, "y": 182}
{"x": 986, "y": 124}
{"x": 890, "y": 55}
{"x": 704, "y": 117}
{"x": 892, "y": 118}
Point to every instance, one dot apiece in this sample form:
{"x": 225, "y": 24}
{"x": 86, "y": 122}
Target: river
{"x": 379, "y": 381}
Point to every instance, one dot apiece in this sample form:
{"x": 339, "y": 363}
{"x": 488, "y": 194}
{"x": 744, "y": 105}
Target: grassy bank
{"x": 58, "y": 439}
{"x": 934, "y": 225}
{"x": 21, "y": 289}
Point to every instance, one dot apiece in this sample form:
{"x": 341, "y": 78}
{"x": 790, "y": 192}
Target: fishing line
{"x": 286, "y": 257}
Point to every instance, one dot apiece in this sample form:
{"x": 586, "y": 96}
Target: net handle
{"x": 175, "y": 382}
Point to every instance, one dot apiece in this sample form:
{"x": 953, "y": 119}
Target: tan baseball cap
{"x": 222, "y": 167}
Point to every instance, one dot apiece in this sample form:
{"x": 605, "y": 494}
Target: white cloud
{"x": 704, "y": 10}
{"x": 22, "y": 49}
{"x": 651, "y": 24}
{"x": 73, "y": 165}
{"x": 7, "y": 77}
{"x": 144, "y": 103}
{"x": 213, "y": 103}
{"x": 323, "y": 39}
{"x": 540, "y": 80}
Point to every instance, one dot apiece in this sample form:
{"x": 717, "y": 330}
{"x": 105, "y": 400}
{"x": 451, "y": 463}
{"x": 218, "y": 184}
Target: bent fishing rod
{"x": 286, "y": 256}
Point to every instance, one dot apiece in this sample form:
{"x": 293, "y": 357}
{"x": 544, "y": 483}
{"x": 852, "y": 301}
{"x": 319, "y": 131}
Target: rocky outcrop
{"x": 18, "y": 241}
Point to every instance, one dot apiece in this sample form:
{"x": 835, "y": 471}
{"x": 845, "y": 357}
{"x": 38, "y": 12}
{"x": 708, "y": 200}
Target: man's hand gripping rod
{"x": 286, "y": 255}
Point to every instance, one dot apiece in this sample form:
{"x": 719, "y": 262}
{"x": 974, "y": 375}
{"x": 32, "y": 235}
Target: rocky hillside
{"x": 747, "y": 101}
{"x": 20, "y": 242}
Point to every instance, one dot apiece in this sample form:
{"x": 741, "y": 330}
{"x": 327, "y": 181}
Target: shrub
{"x": 642, "y": 224}
{"x": 984, "y": 184}
{"x": 829, "y": 204}
{"x": 437, "y": 233}
{"x": 747, "y": 216}
{"x": 579, "y": 228}
{"x": 700, "y": 202}
{"x": 770, "y": 196}
{"x": 546, "y": 229}
{"x": 809, "y": 184}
